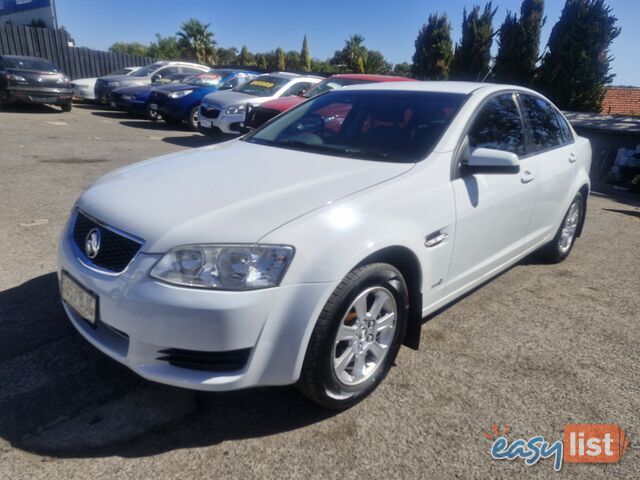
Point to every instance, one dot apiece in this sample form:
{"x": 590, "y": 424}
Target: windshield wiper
{"x": 359, "y": 152}
{"x": 342, "y": 151}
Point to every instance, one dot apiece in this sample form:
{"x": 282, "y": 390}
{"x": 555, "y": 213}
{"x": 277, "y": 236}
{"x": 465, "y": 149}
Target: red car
{"x": 261, "y": 114}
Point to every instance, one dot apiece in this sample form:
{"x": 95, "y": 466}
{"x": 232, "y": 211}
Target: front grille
{"x": 209, "y": 112}
{"x": 258, "y": 116}
{"x": 228, "y": 361}
{"x": 116, "y": 251}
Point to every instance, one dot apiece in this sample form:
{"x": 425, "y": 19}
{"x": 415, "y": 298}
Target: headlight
{"x": 113, "y": 84}
{"x": 235, "y": 109}
{"x": 180, "y": 94}
{"x": 127, "y": 98}
{"x": 224, "y": 267}
{"x": 16, "y": 78}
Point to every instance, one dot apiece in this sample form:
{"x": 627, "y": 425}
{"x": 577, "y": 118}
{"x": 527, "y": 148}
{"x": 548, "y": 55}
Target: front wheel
{"x": 67, "y": 107}
{"x": 356, "y": 338}
{"x": 193, "y": 118}
{"x": 560, "y": 247}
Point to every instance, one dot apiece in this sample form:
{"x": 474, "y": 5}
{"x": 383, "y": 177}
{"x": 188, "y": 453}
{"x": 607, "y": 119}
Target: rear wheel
{"x": 356, "y": 338}
{"x": 67, "y": 107}
{"x": 193, "y": 118}
{"x": 560, "y": 247}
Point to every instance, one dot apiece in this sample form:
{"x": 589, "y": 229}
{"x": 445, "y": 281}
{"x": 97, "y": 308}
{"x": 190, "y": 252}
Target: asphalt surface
{"x": 536, "y": 348}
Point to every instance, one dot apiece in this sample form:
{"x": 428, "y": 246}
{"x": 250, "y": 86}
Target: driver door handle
{"x": 573, "y": 157}
{"x": 528, "y": 176}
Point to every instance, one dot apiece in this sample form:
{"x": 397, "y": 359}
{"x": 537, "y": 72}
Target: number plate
{"x": 79, "y": 298}
{"x": 44, "y": 99}
{"x": 153, "y": 106}
{"x": 205, "y": 123}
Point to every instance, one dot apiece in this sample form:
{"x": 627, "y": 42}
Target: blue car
{"x": 135, "y": 100}
{"x": 178, "y": 102}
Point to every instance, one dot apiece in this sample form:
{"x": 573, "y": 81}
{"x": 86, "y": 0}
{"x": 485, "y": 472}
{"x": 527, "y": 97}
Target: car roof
{"x": 286, "y": 75}
{"x": 371, "y": 77}
{"x": 25, "y": 57}
{"x": 436, "y": 86}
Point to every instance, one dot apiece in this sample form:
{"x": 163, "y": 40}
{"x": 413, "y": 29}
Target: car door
{"x": 493, "y": 206}
{"x": 552, "y": 143}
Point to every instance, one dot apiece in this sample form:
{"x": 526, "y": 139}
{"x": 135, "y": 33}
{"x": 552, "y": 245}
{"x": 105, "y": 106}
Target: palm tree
{"x": 355, "y": 52}
{"x": 197, "y": 42}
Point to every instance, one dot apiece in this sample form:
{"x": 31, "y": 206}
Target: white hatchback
{"x": 309, "y": 250}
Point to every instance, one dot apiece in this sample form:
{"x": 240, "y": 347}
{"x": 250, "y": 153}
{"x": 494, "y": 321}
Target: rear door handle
{"x": 528, "y": 176}
{"x": 573, "y": 157}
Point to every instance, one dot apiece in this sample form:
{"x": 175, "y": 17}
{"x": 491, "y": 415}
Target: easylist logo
{"x": 583, "y": 443}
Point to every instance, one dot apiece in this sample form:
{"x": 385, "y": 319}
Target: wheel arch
{"x": 406, "y": 261}
{"x": 584, "y": 191}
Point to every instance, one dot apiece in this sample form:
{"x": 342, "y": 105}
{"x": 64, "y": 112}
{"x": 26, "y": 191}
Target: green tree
{"x": 577, "y": 65}
{"x": 227, "y": 56}
{"x": 305, "y": 56}
{"x": 196, "y": 41}
{"x": 262, "y": 61}
{"x": 374, "y": 62}
{"x": 434, "y": 49}
{"x": 292, "y": 59}
{"x": 132, "y": 48}
{"x": 164, "y": 48}
{"x": 245, "y": 58}
{"x": 321, "y": 66}
{"x": 353, "y": 56}
{"x": 473, "y": 54}
{"x": 281, "y": 60}
{"x": 519, "y": 44}
{"x": 402, "y": 69}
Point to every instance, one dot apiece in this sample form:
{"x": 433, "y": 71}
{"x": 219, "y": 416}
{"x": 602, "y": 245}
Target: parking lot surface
{"x": 536, "y": 348}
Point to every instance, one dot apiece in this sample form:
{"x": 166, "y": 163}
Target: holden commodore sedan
{"x": 308, "y": 251}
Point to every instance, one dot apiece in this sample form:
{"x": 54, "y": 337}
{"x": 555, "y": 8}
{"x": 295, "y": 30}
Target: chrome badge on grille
{"x": 92, "y": 243}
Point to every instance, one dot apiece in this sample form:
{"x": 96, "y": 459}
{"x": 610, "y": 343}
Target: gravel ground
{"x": 536, "y": 348}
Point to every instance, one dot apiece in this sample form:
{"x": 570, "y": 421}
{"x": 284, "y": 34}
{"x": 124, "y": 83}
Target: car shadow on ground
{"x": 91, "y": 106}
{"x": 157, "y": 126}
{"x": 30, "y": 108}
{"x": 194, "y": 141}
{"x": 115, "y": 114}
{"x": 62, "y": 398}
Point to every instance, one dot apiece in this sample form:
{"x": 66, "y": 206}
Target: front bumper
{"x": 140, "y": 319}
{"x": 225, "y": 123}
{"x": 52, "y": 96}
{"x": 87, "y": 93}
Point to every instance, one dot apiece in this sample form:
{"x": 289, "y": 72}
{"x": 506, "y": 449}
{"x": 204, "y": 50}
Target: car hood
{"x": 283, "y": 104}
{"x": 178, "y": 87}
{"x": 231, "y": 192}
{"x": 227, "y": 98}
{"x": 134, "y": 90}
{"x": 126, "y": 79}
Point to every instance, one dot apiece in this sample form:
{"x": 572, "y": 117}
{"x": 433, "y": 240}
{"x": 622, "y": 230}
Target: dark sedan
{"x": 33, "y": 80}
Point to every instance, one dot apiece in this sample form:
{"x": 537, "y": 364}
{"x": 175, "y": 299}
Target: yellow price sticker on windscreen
{"x": 262, "y": 83}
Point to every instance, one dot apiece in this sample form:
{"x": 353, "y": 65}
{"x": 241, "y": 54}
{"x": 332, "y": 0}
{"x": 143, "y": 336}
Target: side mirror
{"x": 490, "y": 158}
{"x": 156, "y": 78}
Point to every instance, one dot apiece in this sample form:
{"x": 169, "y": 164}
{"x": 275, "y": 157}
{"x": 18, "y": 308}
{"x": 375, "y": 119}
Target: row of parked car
{"x": 213, "y": 101}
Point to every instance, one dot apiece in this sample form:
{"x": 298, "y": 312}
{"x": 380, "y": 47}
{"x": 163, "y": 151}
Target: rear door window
{"x": 546, "y": 132}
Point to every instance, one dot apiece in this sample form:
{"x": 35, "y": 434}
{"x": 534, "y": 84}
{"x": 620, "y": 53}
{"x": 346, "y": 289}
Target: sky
{"x": 388, "y": 26}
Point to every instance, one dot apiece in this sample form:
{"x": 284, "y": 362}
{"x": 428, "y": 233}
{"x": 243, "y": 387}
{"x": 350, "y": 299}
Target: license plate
{"x": 44, "y": 99}
{"x": 113, "y": 104}
{"x": 153, "y": 106}
{"x": 205, "y": 123}
{"x": 79, "y": 298}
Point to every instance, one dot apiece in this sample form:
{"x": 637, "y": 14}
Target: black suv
{"x": 33, "y": 80}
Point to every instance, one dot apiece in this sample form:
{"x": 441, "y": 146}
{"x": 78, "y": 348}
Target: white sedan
{"x": 84, "y": 88}
{"x": 310, "y": 250}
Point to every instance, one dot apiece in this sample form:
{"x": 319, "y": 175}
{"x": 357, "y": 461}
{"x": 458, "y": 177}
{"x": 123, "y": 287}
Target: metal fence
{"x": 76, "y": 62}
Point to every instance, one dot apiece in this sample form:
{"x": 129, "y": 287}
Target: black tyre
{"x": 356, "y": 338}
{"x": 560, "y": 247}
{"x": 67, "y": 107}
{"x": 153, "y": 115}
{"x": 193, "y": 118}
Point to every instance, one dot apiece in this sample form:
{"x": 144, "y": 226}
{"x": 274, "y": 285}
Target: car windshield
{"x": 30, "y": 64}
{"x": 332, "y": 84}
{"x": 146, "y": 71}
{"x": 263, "y": 86}
{"x": 392, "y": 126}
{"x": 203, "y": 80}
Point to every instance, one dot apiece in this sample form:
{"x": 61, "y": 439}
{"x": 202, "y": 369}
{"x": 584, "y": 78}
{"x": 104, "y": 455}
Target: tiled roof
{"x": 611, "y": 123}
{"x": 621, "y": 101}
